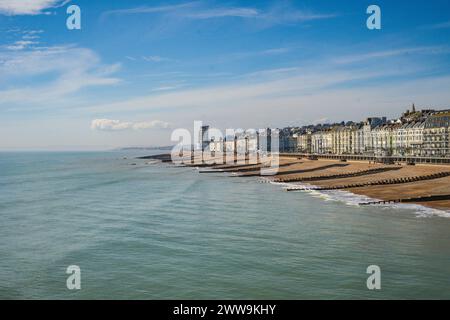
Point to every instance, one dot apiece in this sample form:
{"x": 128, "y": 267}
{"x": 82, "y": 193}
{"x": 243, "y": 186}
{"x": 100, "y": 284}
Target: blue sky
{"x": 138, "y": 69}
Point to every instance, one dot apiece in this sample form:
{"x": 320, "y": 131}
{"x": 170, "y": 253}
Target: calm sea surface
{"x": 154, "y": 231}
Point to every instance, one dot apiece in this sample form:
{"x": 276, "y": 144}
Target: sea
{"x": 142, "y": 229}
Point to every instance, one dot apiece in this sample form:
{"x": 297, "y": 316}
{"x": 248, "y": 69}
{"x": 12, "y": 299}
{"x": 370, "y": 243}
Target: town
{"x": 417, "y": 136}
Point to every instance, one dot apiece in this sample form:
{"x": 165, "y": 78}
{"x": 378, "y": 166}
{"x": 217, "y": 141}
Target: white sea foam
{"x": 352, "y": 199}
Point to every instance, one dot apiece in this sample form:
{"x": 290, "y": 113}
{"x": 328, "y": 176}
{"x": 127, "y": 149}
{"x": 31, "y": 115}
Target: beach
{"x": 380, "y": 182}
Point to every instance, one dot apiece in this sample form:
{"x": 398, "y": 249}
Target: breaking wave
{"x": 352, "y": 199}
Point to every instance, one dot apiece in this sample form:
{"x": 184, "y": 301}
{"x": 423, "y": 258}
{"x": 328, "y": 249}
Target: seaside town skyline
{"x": 134, "y": 71}
{"x": 416, "y": 133}
{"x": 223, "y": 158}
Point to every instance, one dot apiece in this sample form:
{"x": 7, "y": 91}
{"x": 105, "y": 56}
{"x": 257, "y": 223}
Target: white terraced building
{"x": 321, "y": 142}
{"x": 416, "y": 134}
{"x": 423, "y": 133}
{"x": 436, "y": 135}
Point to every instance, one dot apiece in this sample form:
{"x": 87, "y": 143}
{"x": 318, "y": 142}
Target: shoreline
{"x": 353, "y": 199}
{"x": 399, "y": 184}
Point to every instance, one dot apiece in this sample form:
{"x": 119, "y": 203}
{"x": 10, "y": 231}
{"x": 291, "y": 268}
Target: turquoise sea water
{"x": 154, "y": 231}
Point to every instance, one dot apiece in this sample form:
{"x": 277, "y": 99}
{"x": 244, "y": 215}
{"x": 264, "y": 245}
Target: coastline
{"x": 354, "y": 199}
{"x": 389, "y": 185}
{"x": 371, "y": 182}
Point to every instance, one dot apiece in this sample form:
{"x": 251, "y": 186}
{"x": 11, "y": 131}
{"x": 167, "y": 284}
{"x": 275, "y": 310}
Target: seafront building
{"x": 415, "y": 134}
{"x": 436, "y": 135}
{"x": 424, "y": 133}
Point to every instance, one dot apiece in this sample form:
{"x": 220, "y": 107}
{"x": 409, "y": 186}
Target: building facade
{"x": 423, "y": 133}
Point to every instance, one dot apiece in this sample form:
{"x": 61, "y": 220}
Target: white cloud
{"x": 117, "y": 125}
{"x": 31, "y": 34}
{"x": 223, "y": 12}
{"x": 155, "y": 59}
{"x": 393, "y": 53}
{"x": 109, "y": 125}
{"x": 29, "y": 39}
{"x": 151, "y": 125}
{"x": 292, "y": 96}
{"x": 280, "y": 14}
{"x": 165, "y": 88}
{"x": 28, "y": 7}
{"x": 67, "y": 69}
{"x": 33, "y": 31}
{"x": 191, "y": 10}
{"x": 21, "y": 44}
{"x": 263, "y": 85}
{"x": 144, "y": 9}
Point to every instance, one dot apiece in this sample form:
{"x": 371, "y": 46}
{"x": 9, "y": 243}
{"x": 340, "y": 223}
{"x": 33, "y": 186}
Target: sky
{"x": 137, "y": 70}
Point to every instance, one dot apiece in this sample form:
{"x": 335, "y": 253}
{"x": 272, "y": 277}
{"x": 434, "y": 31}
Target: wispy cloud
{"x": 28, "y": 38}
{"x": 252, "y": 54}
{"x": 442, "y": 25}
{"x": 284, "y": 14}
{"x": 21, "y": 44}
{"x": 150, "y": 58}
{"x": 392, "y": 53}
{"x": 307, "y": 90}
{"x": 303, "y": 97}
{"x": 31, "y": 34}
{"x": 165, "y": 88}
{"x": 117, "y": 125}
{"x": 291, "y": 82}
{"x": 59, "y": 78}
{"x": 280, "y": 14}
{"x": 146, "y": 9}
{"x": 28, "y": 7}
{"x": 155, "y": 59}
{"x": 223, "y": 12}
